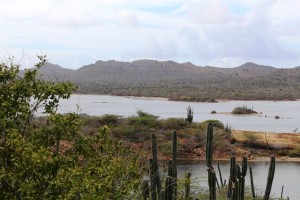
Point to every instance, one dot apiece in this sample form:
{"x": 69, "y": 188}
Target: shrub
{"x": 56, "y": 161}
{"x": 215, "y": 122}
{"x": 109, "y": 119}
{"x": 173, "y": 123}
{"x": 146, "y": 115}
{"x": 243, "y": 110}
{"x": 143, "y": 119}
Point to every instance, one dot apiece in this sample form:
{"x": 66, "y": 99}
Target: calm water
{"x": 287, "y": 174}
{"x": 288, "y": 111}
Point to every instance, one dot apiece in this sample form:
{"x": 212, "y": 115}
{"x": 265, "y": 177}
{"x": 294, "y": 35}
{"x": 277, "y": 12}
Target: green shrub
{"x": 243, "y": 110}
{"x": 173, "y": 123}
{"x": 145, "y": 114}
{"x": 109, "y": 119}
{"x": 57, "y": 161}
{"x": 143, "y": 119}
{"x": 215, "y": 122}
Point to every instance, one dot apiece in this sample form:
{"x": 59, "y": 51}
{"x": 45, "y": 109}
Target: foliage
{"x": 243, "y": 110}
{"x": 143, "y": 119}
{"x": 50, "y": 158}
{"x": 251, "y": 138}
{"x": 214, "y": 122}
{"x": 145, "y": 114}
{"x": 109, "y": 119}
{"x": 173, "y": 123}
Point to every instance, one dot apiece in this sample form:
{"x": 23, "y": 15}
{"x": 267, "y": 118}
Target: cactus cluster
{"x": 236, "y": 186}
{"x": 170, "y": 192}
{"x": 236, "y": 183}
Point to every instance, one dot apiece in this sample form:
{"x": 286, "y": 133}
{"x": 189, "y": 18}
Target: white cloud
{"x": 128, "y": 19}
{"x": 207, "y": 11}
{"x": 201, "y": 31}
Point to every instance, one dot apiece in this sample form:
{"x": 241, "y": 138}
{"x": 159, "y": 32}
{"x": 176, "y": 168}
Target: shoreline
{"x": 169, "y": 99}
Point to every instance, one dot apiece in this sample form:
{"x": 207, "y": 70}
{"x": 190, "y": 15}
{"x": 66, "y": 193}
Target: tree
{"x": 190, "y": 113}
{"x": 51, "y": 157}
{"x": 252, "y": 138}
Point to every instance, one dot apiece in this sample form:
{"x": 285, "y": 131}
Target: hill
{"x": 181, "y": 81}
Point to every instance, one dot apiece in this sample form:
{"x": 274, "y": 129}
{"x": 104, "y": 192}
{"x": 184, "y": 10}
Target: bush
{"x": 109, "y": 119}
{"x": 146, "y": 115}
{"x": 56, "y": 161}
{"x": 243, "y": 110}
{"x": 173, "y": 123}
{"x": 215, "y": 122}
{"x": 142, "y": 121}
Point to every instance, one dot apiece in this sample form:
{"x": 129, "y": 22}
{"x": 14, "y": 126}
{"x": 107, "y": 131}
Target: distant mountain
{"x": 180, "y": 81}
{"x": 55, "y": 72}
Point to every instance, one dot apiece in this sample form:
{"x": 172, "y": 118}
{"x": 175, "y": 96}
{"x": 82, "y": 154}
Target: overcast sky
{"x": 224, "y": 33}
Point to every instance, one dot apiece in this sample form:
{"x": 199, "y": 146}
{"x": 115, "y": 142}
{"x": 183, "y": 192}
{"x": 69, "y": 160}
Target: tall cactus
{"x": 242, "y": 179}
{"x": 187, "y": 185}
{"x": 252, "y": 184}
{"x": 209, "y": 145}
{"x": 232, "y": 192}
{"x": 212, "y": 183}
{"x": 168, "y": 188}
{"x": 244, "y": 166}
{"x": 157, "y": 181}
{"x": 210, "y": 170}
{"x": 169, "y": 183}
{"x": 220, "y": 174}
{"x": 270, "y": 178}
{"x": 174, "y": 164}
{"x": 152, "y": 180}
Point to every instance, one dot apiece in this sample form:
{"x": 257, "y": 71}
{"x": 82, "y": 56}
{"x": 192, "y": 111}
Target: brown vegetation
{"x": 136, "y": 131}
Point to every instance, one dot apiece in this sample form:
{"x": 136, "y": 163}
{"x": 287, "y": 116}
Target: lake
{"x": 288, "y": 111}
{"x": 286, "y": 173}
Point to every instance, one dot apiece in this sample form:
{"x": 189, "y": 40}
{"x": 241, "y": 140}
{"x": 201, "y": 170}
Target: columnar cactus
{"x": 220, "y": 174}
{"x": 174, "y": 164}
{"x": 252, "y": 184}
{"x": 270, "y": 178}
{"x": 233, "y": 184}
{"x": 187, "y": 185}
{"x": 209, "y": 145}
{"x": 210, "y": 170}
{"x": 169, "y": 183}
{"x": 242, "y": 179}
{"x": 152, "y": 180}
{"x": 155, "y": 165}
{"x": 168, "y": 188}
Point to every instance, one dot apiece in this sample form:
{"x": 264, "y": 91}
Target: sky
{"x": 222, "y": 33}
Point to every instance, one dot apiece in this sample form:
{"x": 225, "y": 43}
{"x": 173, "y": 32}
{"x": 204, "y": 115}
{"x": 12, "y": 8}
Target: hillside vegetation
{"x": 185, "y": 82}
